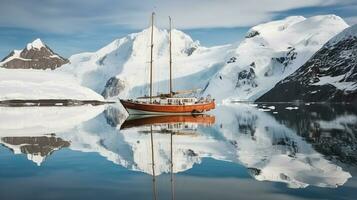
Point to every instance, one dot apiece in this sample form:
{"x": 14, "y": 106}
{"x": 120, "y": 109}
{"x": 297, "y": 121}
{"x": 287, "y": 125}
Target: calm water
{"x": 239, "y": 151}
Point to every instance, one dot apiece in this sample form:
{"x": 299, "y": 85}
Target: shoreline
{"x": 51, "y": 102}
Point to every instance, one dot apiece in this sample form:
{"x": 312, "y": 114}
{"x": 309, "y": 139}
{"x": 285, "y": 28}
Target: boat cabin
{"x": 180, "y": 101}
{"x": 169, "y": 101}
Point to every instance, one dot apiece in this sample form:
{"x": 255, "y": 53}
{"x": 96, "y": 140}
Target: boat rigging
{"x": 172, "y": 102}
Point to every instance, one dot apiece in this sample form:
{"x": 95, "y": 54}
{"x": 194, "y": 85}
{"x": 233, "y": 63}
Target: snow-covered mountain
{"x": 122, "y": 67}
{"x": 269, "y": 53}
{"x": 36, "y": 55}
{"x": 330, "y": 75}
{"x": 24, "y": 75}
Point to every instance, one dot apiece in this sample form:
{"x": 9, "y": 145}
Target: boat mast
{"x": 170, "y": 44}
{"x": 151, "y": 52}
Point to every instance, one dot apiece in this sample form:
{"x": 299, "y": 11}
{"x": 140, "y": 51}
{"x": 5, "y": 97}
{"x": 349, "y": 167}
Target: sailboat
{"x": 171, "y": 103}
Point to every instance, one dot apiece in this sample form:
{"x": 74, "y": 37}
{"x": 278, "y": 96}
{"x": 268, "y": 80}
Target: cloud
{"x": 69, "y": 16}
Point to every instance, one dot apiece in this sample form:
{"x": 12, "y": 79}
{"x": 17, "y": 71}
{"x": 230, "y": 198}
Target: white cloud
{"x": 81, "y": 15}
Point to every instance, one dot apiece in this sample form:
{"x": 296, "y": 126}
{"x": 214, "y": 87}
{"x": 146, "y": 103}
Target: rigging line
{"x": 170, "y": 56}
{"x": 146, "y": 84}
{"x": 151, "y": 53}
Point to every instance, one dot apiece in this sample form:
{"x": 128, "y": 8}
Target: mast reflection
{"x": 174, "y": 125}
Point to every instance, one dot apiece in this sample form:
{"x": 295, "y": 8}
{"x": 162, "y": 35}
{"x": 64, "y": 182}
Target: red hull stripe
{"x": 201, "y": 107}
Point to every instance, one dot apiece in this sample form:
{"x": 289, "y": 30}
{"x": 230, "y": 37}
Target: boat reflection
{"x": 177, "y": 124}
{"x": 174, "y": 126}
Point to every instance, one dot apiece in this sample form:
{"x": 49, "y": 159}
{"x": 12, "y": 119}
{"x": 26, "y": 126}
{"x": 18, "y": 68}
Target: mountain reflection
{"x": 36, "y": 148}
{"x": 299, "y": 147}
{"x": 331, "y": 129}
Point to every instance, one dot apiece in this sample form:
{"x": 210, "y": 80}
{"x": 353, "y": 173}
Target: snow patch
{"x": 36, "y": 44}
{"x": 291, "y": 108}
{"x": 336, "y": 82}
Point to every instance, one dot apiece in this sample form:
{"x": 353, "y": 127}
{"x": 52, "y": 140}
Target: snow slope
{"x": 127, "y": 59}
{"x": 36, "y": 84}
{"x": 37, "y": 44}
{"x": 270, "y": 52}
{"x": 329, "y": 75}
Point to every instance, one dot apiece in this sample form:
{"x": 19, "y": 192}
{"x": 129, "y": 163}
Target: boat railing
{"x": 173, "y": 100}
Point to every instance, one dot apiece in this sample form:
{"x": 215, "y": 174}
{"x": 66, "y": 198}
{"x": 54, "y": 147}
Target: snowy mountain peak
{"x": 270, "y": 52}
{"x": 127, "y": 59}
{"x": 36, "y": 55}
{"x": 279, "y": 25}
{"x": 330, "y": 18}
{"x": 36, "y": 44}
{"x": 297, "y": 30}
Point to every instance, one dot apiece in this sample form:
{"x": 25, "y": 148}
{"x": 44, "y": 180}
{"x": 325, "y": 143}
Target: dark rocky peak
{"x": 36, "y": 55}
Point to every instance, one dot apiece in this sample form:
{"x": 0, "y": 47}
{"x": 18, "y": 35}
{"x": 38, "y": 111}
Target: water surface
{"x": 238, "y": 151}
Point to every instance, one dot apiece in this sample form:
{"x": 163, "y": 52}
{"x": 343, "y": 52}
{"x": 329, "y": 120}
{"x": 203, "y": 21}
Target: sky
{"x": 75, "y": 26}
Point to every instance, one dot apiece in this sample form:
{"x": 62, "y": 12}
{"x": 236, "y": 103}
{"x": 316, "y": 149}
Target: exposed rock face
{"x": 247, "y": 77}
{"x": 36, "y": 55}
{"x": 252, "y": 33}
{"x": 279, "y": 64}
{"x": 113, "y": 87}
{"x": 330, "y": 75}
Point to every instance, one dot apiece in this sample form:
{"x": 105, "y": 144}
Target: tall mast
{"x": 170, "y": 44}
{"x": 151, "y": 53}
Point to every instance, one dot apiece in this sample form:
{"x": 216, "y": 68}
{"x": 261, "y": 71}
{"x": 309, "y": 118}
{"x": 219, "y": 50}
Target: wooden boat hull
{"x": 157, "y": 109}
